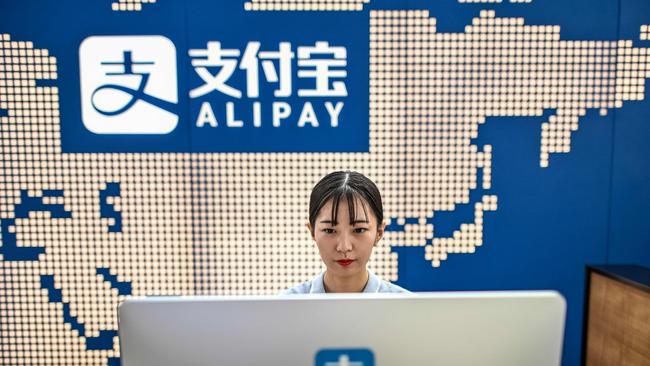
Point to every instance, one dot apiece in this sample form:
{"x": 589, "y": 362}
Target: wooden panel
{"x": 618, "y": 332}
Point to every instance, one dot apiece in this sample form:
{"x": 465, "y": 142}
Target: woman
{"x": 346, "y": 221}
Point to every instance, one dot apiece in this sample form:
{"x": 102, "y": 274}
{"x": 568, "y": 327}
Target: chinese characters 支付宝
{"x": 321, "y": 66}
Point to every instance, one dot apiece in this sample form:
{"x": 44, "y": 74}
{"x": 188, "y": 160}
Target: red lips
{"x": 345, "y": 262}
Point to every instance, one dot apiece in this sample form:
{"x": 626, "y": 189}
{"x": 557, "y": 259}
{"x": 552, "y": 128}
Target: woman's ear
{"x": 311, "y": 230}
{"x": 380, "y": 232}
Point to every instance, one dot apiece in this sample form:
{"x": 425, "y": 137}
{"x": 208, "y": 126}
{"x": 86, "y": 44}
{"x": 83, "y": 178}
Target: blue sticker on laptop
{"x": 345, "y": 357}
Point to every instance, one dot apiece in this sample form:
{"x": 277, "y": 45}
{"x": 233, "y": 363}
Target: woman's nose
{"x": 344, "y": 243}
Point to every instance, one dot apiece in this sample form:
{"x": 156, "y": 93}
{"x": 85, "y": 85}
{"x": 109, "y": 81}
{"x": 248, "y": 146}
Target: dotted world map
{"x": 82, "y": 232}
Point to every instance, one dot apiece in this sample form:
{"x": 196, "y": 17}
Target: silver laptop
{"x": 455, "y": 328}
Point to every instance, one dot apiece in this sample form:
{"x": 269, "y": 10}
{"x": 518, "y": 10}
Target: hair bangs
{"x": 353, "y": 198}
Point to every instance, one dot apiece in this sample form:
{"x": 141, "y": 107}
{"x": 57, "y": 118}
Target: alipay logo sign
{"x": 128, "y": 84}
{"x": 345, "y": 357}
{"x": 223, "y": 87}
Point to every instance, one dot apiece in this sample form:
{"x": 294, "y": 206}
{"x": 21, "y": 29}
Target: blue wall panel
{"x": 89, "y": 219}
{"x": 630, "y": 197}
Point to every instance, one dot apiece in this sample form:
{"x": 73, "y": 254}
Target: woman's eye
{"x": 360, "y": 230}
{"x": 328, "y": 231}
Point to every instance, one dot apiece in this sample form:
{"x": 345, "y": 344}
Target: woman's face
{"x": 345, "y": 247}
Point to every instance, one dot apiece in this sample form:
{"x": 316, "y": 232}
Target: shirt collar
{"x": 318, "y": 287}
{"x": 373, "y": 283}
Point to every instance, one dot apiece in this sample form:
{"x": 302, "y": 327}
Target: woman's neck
{"x": 345, "y": 284}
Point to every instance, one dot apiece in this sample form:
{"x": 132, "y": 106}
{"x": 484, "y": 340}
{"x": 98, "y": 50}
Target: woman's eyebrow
{"x": 353, "y": 222}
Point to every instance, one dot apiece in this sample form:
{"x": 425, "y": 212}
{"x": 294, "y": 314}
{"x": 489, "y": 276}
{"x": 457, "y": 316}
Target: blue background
{"x": 589, "y": 206}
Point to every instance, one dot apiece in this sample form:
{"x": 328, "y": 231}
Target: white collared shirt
{"x": 316, "y": 286}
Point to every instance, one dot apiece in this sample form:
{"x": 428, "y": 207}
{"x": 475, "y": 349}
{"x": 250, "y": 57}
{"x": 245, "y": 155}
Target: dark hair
{"x": 348, "y": 184}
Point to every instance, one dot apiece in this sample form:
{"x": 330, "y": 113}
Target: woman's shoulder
{"x": 391, "y": 287}
{"x": 377, "y": 284}
{"x": 315, "y": 285}
{"x": 302, "y": 288}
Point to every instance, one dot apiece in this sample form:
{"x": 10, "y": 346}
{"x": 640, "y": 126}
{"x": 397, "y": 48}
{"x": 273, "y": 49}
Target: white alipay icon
{"x": 128, "y": 84}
